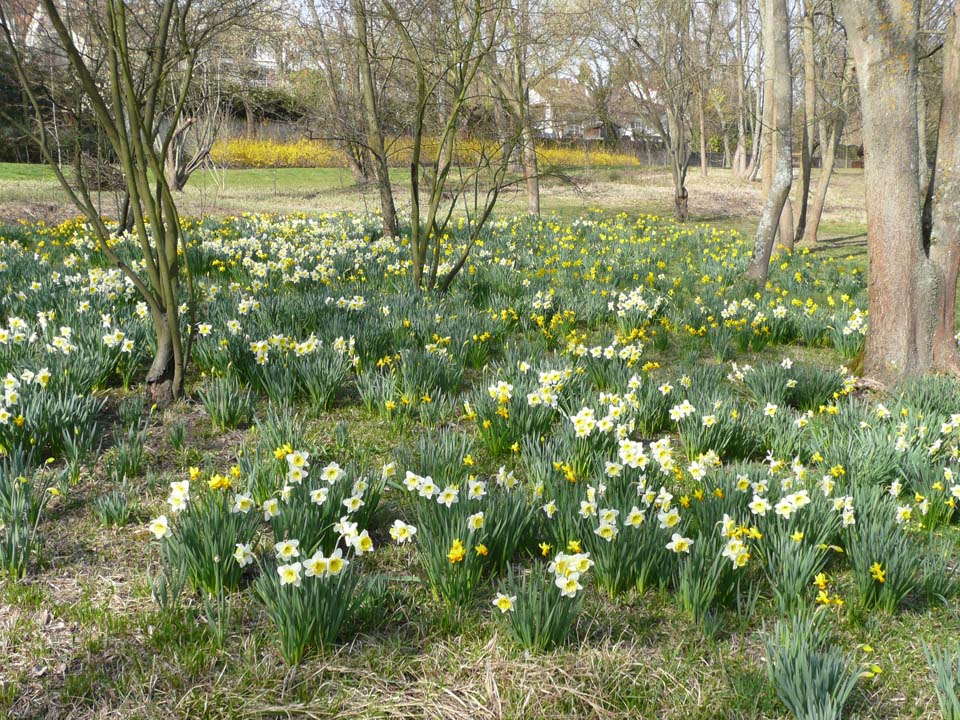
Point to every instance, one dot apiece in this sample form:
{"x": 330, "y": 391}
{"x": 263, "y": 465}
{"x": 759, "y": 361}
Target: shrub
{"x": 249, "y": 153}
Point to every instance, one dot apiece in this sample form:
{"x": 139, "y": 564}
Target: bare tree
{"x": 706, "y": 28}
{"x": 653, "y": 38}
{"x": 776, "y": 32}
{"x": 836, "y": 90}
{"x": 808, "y": 136}
{"x": 745, "y": 166}
{"x": 912, "y": 265}
{"x": 198, "y": 127}
{"x": 134, "y": 63}
{"x": 445, "y": 47}
{"x": 376, "y": 144}
{"x": 329, "y": 32}
{"x": 528, "y": 50}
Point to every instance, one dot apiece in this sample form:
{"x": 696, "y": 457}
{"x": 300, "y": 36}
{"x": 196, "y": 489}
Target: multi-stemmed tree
{"x": 133, "y": 62}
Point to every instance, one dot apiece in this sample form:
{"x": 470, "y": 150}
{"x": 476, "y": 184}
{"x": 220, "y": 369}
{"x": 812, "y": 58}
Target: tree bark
{"x": 703, "y": 132}
{"x": 678, "y": 165}
{"x": 740, "y": 153}
{"x": 374, "y": 131}
{"x": 354, "y": 152}
{"x": 161, "y": 389}
{"x": 819, "y": 196}
{"x": 531, "y": 171}
{"x": 829, "y": 144}
{"x": 809, "y": 117}
{"x": 944, "y": 240}
{"x": 777, "y": 33}
{"x": 903, "y": 289}
{"x": 785, "y": 226}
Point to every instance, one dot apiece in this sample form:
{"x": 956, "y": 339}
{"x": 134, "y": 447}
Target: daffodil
{"x": 504, "y": 603}
{"x": 160, "y": 527}
{"x": 290, "y": 574}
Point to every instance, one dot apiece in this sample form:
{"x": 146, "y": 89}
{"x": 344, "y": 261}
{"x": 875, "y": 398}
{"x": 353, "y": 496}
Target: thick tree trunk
{"x": 163, "y": 383}
{"x": 777, "y": 33}
{"x": 945, "y": 236}
{"x": 767, "y": 140}
{"x": 923, "y": 162}
{"x": 902, "y": 290}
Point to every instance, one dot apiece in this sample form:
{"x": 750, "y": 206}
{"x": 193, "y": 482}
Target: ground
{"x": 31, "y": 193}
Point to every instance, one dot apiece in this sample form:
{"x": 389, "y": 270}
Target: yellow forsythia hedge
{"x": 557, "y": 155}
{"x": 248, "y": 153}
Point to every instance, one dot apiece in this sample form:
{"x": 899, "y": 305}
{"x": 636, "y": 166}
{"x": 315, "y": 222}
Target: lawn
{"x": 591, "y": 481}
{"x": 30, "y": 192}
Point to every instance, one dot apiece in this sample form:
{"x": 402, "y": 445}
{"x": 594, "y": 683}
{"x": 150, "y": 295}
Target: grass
{"x": 717, "y": 199}
{"x": 81, "y": 637}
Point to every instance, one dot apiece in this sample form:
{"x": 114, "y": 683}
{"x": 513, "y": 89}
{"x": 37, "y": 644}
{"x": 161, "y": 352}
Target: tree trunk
{"x": 815, "y": 211}
{"x": 809, "y": 116}
{"x": 740, "y": 153}
{"x": 902, "y": 292}
{"x": 806, "y": 170}
{"x": 945, "y": 237}
{"x": 777, "y": 32}
{"x": 923, "y": 163}
{"x": 531, "y": 172}
{"x": 829, "y": 144}
{"x": 679, "y": 155}
{"x": 703, "y": 133}
{"x": 785, "y": 226}
{"x": 161, "y": 386}
{"x": 756, "y": 147}
{"x": 374, "y": 131}
{"x": 248, "y": 116}
{"x": 768, "y": 117}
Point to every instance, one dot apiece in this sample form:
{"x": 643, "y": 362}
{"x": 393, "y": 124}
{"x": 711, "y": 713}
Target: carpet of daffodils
{"x": 596, "y": 408}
